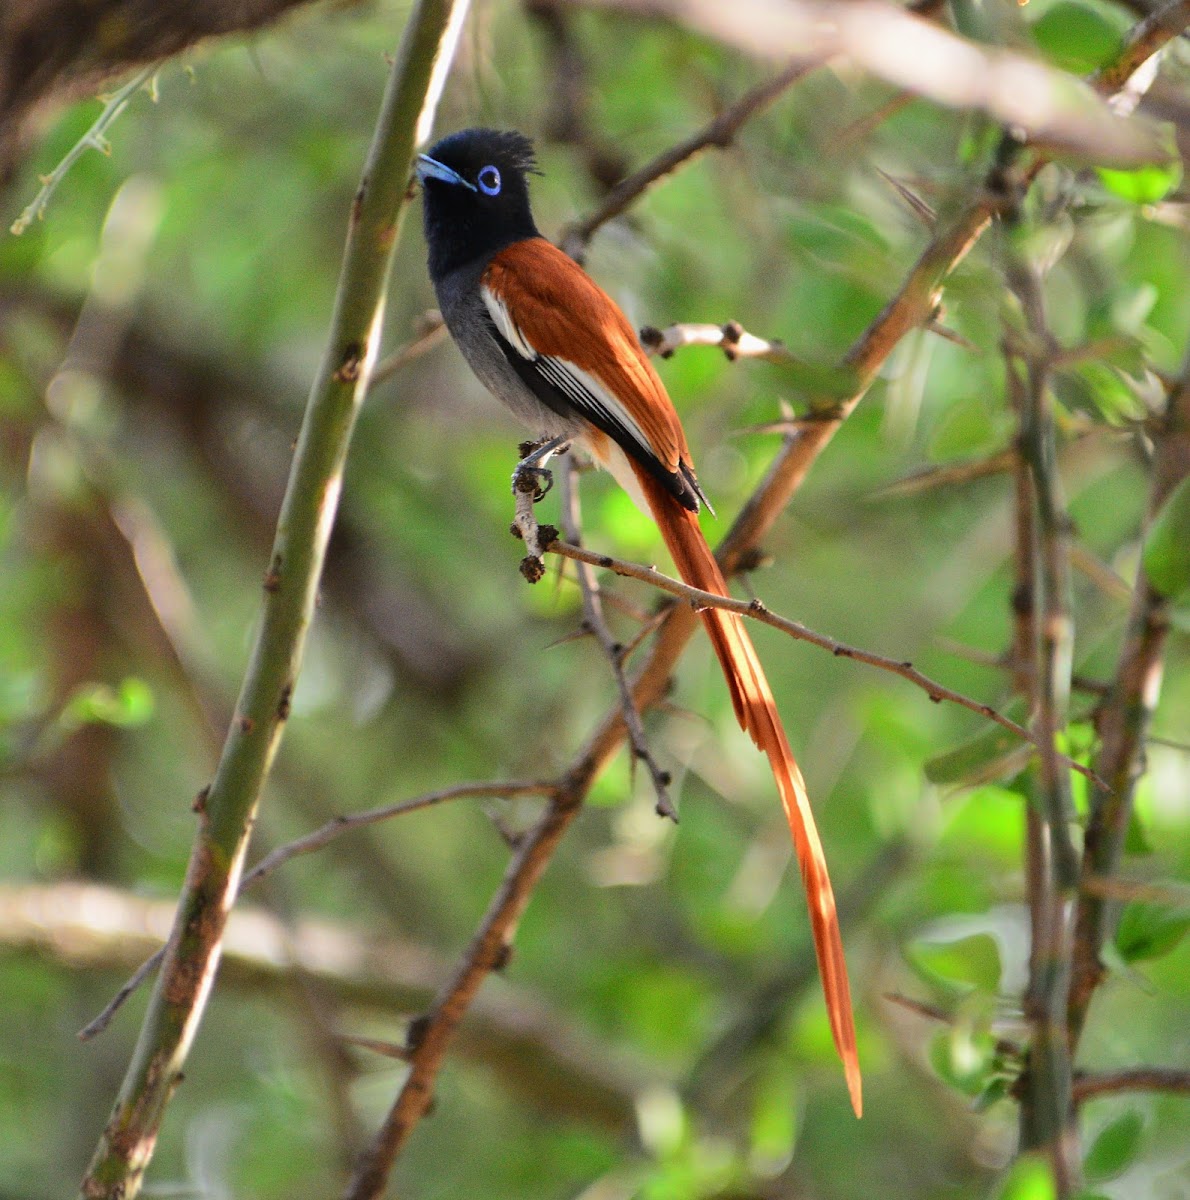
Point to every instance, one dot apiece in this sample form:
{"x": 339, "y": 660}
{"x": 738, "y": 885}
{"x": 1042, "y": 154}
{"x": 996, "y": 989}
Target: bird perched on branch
{"x": 547, "y": 341}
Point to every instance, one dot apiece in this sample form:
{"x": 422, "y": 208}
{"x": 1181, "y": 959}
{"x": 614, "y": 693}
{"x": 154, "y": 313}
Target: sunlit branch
{"x": 732, "y": 338}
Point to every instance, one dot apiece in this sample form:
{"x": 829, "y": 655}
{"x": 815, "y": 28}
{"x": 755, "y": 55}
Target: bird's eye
{"x": 489, "y": 181}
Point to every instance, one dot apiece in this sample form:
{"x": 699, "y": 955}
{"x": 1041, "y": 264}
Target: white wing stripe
{"x": 581, "y": 388}
{"x": 590, "y": 395}
{"x": 506, "y": 324}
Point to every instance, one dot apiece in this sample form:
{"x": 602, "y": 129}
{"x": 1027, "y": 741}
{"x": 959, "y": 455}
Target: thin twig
{"x": 1005, "y": 1047}
{"x": 430, "y": 331}
{"x": 373, "y": 816}
{"x": 1090, "y": 1085}
{"x": 612, "y": 649}
{"x": 315, "y": 841}
{"x": 95, "y": 1027}
{"x": 863, "y": 127}
{"x": 720, "y": 132}
{"x": 756, "y": 609}
{"x": 1124, "y": 718}
{"x": 947, "y": 475}
{"x": 93, "y": 139}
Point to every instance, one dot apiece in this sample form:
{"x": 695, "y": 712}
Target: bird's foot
{"x": 532, "y": 481}
{"x": 531, "y": 478}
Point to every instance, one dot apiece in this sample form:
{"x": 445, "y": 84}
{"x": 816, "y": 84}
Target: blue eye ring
{"x": 489, "y": 181}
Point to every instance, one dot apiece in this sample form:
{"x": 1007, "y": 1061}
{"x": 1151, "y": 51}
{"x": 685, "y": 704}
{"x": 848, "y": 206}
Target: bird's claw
{"x": 532, "y": 481}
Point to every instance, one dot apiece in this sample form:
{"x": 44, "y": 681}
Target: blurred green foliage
{"x": 157, "y": 333}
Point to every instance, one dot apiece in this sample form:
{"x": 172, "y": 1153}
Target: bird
{"x": 549, "y": 343}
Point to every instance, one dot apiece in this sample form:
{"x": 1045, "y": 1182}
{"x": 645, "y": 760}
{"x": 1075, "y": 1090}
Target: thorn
{"x": 927, "y": 215}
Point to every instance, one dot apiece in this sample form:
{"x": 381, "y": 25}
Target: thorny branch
{"x": 228, "y": 809}
{"x": 718, "y": 133}
{"x": 1043, "y": 641}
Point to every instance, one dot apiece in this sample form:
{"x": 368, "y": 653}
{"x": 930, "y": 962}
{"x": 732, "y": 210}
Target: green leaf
{"x": 1115, "y": 1147}
{"x": 128, "y": 705}
{"x": 966, "y": 1059}
{"x": 1144, "y": 185}
{"x": 1075, "y": 37}
{"x": 1029, "y": 1179}
{"x": 969, "y": 963}
{"x": 997, "y": 753}
{"x": 1149, "y": 930}
{"x": 1100, "y": 391}
{"x": 1167, "y": 544}
{"x": 996, "y": 1089}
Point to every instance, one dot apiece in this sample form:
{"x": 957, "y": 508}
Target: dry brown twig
{"x": 719, "y": 133}
{"x": 1090, "y": 1085}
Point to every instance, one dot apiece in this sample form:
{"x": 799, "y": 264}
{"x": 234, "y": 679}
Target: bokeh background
{"x": 659, "y": 1031}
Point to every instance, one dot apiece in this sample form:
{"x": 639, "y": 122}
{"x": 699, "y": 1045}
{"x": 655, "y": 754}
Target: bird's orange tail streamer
{"x": 756, "y": 711}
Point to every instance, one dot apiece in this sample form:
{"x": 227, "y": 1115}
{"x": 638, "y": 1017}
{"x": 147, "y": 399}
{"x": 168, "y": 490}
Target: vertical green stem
{"x": 227, "y": 810}
{"x": 1043, "y": 661}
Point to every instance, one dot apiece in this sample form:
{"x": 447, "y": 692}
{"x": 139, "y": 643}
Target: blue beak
{"x": 430, "y": 168}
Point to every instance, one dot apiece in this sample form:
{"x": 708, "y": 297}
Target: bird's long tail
{"x": 756, "y": 711}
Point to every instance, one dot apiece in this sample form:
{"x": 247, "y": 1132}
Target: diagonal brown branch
{"x": 718, "y": 133}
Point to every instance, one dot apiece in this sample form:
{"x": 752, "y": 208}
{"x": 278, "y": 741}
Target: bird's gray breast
{"x": 474, "y": 331}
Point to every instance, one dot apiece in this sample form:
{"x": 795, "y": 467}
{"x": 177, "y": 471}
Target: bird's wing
{"x": 573, "y": 347}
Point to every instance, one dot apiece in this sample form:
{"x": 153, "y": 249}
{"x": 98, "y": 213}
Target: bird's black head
{"x": 476, "y": 196}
